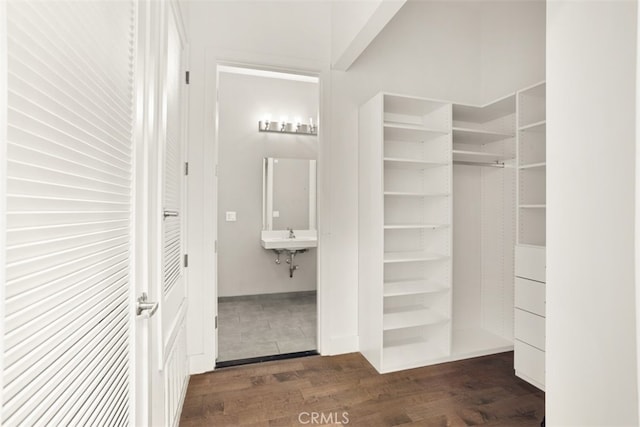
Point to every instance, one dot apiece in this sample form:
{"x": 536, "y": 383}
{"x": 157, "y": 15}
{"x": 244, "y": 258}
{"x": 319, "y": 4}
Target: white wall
{"x": 244, "y": 267}
{"x": 513, "y": 46}
{"x": 591, "y": 366}
{"x": 429, "y": 49}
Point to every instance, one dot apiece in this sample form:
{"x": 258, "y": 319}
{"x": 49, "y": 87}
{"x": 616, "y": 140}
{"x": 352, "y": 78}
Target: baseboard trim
{"x": 342, "y": 345}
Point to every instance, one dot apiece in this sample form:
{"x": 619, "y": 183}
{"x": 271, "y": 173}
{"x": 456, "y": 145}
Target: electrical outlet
{"x": 276, "y": 214}
{"x": 231, "y": 216}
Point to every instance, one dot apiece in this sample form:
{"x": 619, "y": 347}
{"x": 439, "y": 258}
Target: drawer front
{"x": 529, "y": 328}
{"x": 531, "y": 263}
{"x": 529, "y": 362}
{"x": 530, "y": 296}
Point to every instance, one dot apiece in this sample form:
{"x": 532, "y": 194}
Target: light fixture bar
{"x": 288, "y": 128}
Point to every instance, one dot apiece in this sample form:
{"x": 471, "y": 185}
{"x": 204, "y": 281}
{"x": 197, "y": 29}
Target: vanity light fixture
{"x": 285, "y": 126}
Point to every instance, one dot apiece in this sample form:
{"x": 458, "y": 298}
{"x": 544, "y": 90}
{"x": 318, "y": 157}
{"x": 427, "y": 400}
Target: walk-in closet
{"x": 441, "y": 190}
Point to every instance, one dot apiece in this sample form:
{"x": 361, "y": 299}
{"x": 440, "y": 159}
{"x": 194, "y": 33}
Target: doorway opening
{"x": 267, "y": 151}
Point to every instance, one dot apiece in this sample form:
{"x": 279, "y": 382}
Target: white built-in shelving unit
{"x": 411, "y": 312}
{"x": 530, "y": 276}
{"x": 405, "y": 231}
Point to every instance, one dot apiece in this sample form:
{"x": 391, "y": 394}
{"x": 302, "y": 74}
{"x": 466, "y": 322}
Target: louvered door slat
{"x": 35, "y": 279}
{"x": 96, "y": 380}
{"x": 66, "y": 339}
{"x": 50, "y": 260}
{"x": 21, "y": 357}
{"x": 60, "y": 90}
{"x": 65, "y": 170}
{"x": 63, "y": 84}
{"x": 67, "y": 109}
{"x": 43, "y": 303}
{"x": 50, "y": 379}
{"x": 58, "y": 119}
{"x": 67, "y": 139}
{"x": 34, "y": 234}
{"x": 43, "y": 32}
{"x": 20, "y": 219}
{"x": 86, "y": 353}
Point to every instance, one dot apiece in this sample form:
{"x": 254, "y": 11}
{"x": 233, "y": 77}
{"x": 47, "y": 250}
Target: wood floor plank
{"x": 481, "y": 391}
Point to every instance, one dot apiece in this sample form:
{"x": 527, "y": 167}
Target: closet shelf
{"x": 395, "y": 257}
{"x": 400, "y": 163}
{"x": 531, "y": 245}
{"x": 478, "y": 137}
{"x": 477, "y": 156}
{"x": 413, "y": 226}
{"x": 411, "y": 316}
{"x": 534, "y": 165}
{"x": 413, "y": 194}
{"x": 408, "y": 132}
{"x": 411, "y": 353}
{"x": 533, "y": 206}
{"x": 540, "y": 126}
{"x": 413, "y": 287}
{"x": 486, "y": 113}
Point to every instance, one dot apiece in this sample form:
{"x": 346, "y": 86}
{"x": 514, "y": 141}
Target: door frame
{"x": 203, "y": 296}
{"x": 319, "y": 164}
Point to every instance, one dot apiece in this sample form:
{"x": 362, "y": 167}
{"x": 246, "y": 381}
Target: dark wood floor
{"x": 480, "y": 391}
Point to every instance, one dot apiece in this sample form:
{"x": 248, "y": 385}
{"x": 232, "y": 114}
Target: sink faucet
{"x": 291, "y": 234}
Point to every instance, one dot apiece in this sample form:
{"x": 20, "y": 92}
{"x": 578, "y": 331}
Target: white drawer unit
{"x": 529, "y": 328}
{"x": 530, "y": 296}
{"x": 530, "y": 262}
{"x": 529, "y": 315}
{"x": 529, "y": 363}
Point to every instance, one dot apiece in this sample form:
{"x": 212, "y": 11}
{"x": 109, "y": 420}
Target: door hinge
{"x": 186, "y": 260}
{"x": 216, "y": 322}
{"x": 186, "y": 168}
{"x": 186, "y": 77}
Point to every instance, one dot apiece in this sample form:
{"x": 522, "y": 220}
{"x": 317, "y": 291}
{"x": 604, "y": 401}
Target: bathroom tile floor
{"x": 265, "y": 325}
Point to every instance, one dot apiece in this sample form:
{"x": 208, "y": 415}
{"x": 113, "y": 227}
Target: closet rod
{"x": 493, "y": 165}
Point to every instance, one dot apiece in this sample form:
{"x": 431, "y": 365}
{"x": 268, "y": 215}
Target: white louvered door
{"x": 171, "y": 290}
{"x": 66, "y": 338}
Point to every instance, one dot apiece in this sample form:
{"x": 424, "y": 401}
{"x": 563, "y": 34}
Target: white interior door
{"x": 169, "y": 347}
{"x": 67, "y": 159}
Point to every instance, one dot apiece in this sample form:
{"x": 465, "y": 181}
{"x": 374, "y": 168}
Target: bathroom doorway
{"x": 267, "y": 150}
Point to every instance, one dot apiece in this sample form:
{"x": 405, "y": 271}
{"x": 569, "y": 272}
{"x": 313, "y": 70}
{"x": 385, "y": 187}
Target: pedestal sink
{"x": 280, "y": 239}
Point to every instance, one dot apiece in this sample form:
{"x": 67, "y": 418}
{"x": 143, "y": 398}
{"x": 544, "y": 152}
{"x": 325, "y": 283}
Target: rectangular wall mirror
{"x": 289, "y": 194}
